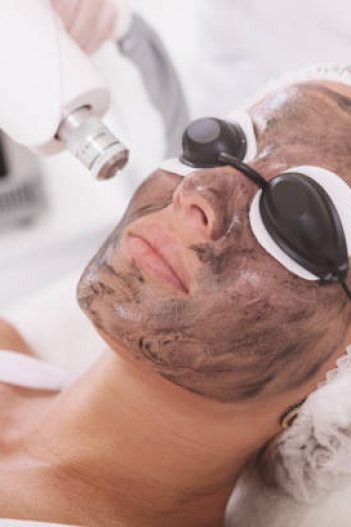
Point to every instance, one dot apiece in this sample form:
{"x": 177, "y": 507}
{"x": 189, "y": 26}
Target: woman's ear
{"x": 289, "y": 416}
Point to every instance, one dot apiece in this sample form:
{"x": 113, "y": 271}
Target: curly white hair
{"x": 339, "y": 73}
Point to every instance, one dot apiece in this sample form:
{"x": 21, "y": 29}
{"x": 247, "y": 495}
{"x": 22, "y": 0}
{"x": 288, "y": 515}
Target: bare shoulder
{"x": 11, "y": 339}
{"x": 18, "y": 406}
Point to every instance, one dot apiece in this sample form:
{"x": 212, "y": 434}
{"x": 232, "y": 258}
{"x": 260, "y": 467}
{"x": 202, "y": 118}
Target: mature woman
{"x": 211, "y": 342}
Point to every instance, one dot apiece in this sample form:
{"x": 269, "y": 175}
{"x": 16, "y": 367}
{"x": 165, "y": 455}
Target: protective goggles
{"x": 301, "y": 217}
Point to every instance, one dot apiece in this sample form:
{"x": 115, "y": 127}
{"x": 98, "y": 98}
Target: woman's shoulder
{"x": 23, "y": 380}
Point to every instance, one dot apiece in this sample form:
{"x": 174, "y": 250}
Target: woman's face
{"x": 182, "y": 285}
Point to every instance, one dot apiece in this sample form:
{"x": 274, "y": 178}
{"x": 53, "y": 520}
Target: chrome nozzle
{"x": 92, "y": 143}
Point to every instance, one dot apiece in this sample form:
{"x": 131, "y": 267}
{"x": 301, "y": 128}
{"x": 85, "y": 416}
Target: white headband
{"x": 313, "y": 457}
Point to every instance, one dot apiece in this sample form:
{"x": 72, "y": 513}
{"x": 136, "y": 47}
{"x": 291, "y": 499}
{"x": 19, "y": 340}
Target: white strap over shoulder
{"x": 27, "y": 372}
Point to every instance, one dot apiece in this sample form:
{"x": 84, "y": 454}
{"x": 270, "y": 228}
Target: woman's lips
{"x": 151, "y": 259}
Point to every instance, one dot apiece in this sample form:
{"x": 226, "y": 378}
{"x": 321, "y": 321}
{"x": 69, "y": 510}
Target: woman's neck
{"x": 130, "y": 445}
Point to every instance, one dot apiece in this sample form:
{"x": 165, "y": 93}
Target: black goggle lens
{"x": 204, "y": 139}
{"x": 302, "y": 219}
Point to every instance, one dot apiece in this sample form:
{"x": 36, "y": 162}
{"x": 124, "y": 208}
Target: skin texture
{"x": 240, "y": 326}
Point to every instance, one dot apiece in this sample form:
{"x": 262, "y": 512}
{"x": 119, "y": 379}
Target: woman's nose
{"x": 204, "y": 200}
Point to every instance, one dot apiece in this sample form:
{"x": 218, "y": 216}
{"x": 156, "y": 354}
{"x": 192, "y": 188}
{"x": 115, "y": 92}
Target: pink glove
{"x": 91, "y": 22}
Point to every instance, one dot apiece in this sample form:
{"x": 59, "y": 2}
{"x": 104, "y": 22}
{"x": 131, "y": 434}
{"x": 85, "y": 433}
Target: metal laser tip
{"x": 110, "y": 162}
{"x": 93, "y": 143}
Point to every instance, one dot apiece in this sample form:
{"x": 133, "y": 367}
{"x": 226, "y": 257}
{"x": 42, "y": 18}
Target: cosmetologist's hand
{"x": 89, "y": 22}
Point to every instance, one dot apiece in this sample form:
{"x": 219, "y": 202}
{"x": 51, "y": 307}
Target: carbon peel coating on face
{"x": 182, "y": 285}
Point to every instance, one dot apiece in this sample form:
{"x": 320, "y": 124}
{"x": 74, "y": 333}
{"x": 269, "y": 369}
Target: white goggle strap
{"x": 243, "y": 119}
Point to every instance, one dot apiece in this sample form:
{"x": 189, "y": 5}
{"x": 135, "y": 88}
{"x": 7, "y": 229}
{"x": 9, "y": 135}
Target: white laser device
{"x": 51, "y": 96}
